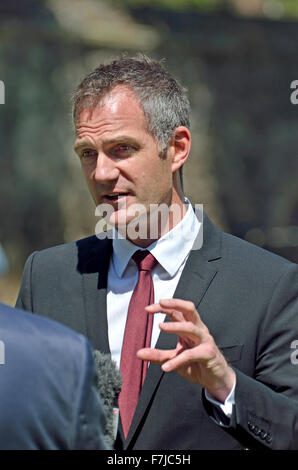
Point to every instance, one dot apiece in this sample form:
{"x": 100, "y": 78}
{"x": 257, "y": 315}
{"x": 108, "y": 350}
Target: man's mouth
{"x": 115, "y": 197}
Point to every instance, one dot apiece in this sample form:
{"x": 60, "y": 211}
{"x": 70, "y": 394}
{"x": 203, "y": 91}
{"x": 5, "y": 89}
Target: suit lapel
{"x": 195, "y": 280}
{"x": 93, "y": 265}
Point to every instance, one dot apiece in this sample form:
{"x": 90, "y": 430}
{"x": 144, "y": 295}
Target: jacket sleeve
{"x": 265, "y": 413}
{"x": 24, "y": 300}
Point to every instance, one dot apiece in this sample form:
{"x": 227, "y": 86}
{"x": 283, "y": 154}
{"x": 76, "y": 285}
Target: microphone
{"x": 109, "y": 383}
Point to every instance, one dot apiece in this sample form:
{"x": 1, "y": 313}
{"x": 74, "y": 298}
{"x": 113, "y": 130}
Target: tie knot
{"x": 144, "y": 260}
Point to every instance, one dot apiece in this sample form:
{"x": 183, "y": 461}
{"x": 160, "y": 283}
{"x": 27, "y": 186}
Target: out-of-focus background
{"x": 237, "y": 58}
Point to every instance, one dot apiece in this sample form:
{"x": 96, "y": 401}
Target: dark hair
{"x": 161, "y": 97}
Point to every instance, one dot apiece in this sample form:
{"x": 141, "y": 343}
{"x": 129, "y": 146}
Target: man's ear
{"x": 180, "y": 147}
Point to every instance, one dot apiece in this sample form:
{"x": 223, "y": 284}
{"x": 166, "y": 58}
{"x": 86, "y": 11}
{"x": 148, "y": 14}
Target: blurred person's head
{"x": 132, "y": 129}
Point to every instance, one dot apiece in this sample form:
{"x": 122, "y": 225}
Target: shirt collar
{"x": 170, "y": 250}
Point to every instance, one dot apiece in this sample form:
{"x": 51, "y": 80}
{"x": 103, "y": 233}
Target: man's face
{"x": 120, "y": 158}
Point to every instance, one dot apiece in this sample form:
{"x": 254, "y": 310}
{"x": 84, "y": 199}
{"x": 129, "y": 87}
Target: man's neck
{"x": 155, "y": 224}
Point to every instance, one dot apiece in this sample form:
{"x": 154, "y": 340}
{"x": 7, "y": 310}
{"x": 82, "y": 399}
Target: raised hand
{"x": 196, "y": 356}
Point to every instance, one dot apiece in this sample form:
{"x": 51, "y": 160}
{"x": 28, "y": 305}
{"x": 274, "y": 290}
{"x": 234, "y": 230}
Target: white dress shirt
{"x": 171, "y": 251}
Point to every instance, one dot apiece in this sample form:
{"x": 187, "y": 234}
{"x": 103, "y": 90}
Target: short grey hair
{"x": 162, "y": 98}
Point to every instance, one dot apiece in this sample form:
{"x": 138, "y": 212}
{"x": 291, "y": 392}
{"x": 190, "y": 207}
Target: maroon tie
{"x": 137, "y": 335}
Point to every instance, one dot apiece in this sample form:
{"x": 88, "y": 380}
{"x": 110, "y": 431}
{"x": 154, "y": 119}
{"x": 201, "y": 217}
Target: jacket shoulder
{"x": 234, "y": 246}
{"x": 85, "y": 244}
{"x": 68, "y": 255}
{"x": 257, "y": 265}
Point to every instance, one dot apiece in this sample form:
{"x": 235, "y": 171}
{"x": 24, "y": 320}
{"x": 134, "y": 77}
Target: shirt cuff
{"x": 227, "y": 406}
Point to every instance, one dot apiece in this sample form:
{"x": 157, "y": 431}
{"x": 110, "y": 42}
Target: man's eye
{"x": 123, "y": 149}
{"x": 88, "y": 154}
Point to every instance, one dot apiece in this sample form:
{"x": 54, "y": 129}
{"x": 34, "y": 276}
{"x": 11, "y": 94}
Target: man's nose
{"x": 106, "y": 169}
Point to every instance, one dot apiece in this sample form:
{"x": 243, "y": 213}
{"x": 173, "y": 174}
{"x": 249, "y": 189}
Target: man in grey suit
{"x": 48, "y": 394}
{"x": 225, "y": 312}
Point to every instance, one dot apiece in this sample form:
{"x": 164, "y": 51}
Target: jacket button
{"x": 263, "y": 434}
{"x": 256, "y": 430}
{"x": 251, "y": 426}
{"x": 268, "y": 439}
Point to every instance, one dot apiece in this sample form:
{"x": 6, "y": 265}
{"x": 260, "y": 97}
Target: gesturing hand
{"x": 196, "y": 356}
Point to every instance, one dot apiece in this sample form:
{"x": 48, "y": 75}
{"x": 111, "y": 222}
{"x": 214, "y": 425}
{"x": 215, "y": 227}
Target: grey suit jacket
{"x": 247, "y": 297}
{"x": 48, "y": 394}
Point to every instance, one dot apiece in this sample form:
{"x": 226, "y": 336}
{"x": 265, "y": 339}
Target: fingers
{"x": 198, "y": 345}
{"x": 175, "y": 315}
{"x": 177, "y": 309}
{"x": 157, "y": 356}
{"x": 196, "y": 356}
{"x": 202, "y": 354}
{"x": 185, "y": 327}
{"x": 176, "y": 358}
{"x": 185, "y": 322}
{"x": 189, "y": 334}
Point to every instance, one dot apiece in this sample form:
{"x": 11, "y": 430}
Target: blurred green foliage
{"x": 290, "y": 8}
{"x": 203, "y": 5}
{"x": 287, "y": 9}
